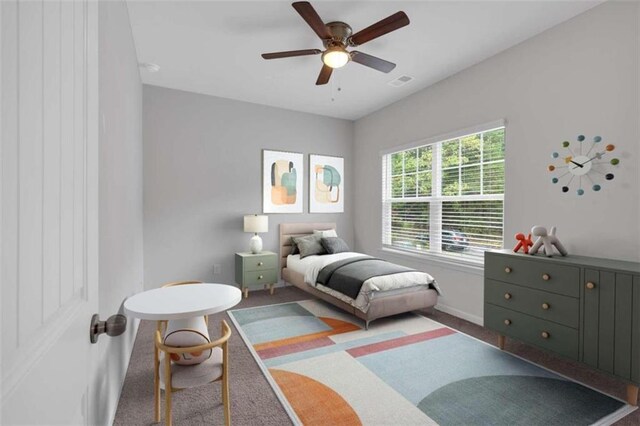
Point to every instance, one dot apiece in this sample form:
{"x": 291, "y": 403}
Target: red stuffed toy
{"x": 523, "y": 243}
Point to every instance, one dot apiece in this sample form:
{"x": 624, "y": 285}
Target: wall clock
{"x": 585, "y": 165}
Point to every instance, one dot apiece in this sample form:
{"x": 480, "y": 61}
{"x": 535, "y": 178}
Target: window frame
{"x": 436, "y": 199}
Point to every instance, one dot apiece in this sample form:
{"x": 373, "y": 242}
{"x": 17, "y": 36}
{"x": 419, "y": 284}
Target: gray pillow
{"x": 294, "y": 247}
{"x": 334, "y": 245}
{"x": 309, "y": 245}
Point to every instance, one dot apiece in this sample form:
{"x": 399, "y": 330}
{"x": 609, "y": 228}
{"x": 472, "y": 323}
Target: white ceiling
{"x": 214, "y": 47}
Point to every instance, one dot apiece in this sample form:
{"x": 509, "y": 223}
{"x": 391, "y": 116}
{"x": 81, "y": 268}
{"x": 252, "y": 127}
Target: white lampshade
{"x": 256, "y": 223}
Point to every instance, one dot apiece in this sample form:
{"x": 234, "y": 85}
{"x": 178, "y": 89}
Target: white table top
{"x": 182, "y": 301}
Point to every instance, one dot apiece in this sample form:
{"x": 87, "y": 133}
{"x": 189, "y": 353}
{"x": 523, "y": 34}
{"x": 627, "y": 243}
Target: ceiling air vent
{"x": 400, "y": 81}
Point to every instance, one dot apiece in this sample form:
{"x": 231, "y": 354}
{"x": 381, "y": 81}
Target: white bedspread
{"x": 310, "y": 267}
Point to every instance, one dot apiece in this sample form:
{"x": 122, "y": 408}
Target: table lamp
{"x": 256, "y": 223}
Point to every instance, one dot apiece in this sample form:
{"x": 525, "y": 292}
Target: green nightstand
{"x": 256, "y": 269}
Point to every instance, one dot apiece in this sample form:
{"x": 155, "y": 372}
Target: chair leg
{"x": 156, "y": 385}
{"x": 167, "y": 390}
{"x": 225, "y": 401}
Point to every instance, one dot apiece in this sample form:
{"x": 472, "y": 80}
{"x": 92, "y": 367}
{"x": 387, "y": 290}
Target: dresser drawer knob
{"x": 260, "y": 263}
{"x": 260, "y": 277}
{"x": 507, "y": 296}
{"x": 545, "y": 306}
{"x": 507, "y": 322}
{"x": 545, "y": 334}
{"x": 591, "y": 285}
{"x": 507, "y": 270}
{"x": 546, "y": 277}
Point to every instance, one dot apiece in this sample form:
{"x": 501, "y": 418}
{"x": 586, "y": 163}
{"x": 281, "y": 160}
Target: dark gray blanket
{"x": 348, "y": 275}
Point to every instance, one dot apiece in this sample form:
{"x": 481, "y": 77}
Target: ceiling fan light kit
{"x": 335, "y": 57}
{"x": 336, "y": 36}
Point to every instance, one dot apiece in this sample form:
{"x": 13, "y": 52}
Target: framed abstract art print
{"x": 326, "y": 184}
{"x": 282, "y": 174}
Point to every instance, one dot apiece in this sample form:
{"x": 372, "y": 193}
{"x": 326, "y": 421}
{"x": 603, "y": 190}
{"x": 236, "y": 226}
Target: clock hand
{"x": 597, "y": 156}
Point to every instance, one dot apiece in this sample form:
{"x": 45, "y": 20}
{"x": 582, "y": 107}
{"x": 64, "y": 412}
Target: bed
{"x": 369, "y": 306}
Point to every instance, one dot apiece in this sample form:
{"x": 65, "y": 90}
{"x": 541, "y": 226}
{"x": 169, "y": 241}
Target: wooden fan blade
{"x": 312, "y": 18}
{"x": 372, "y": 62}
{"x": 380, "y": 28}
{"x": 325, "y": 75}
{"x": 291, "y": 53}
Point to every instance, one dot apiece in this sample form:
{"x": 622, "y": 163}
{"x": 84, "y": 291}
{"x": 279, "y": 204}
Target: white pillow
{"x": 326, "y": 234}
{"x": 185, "y": 333}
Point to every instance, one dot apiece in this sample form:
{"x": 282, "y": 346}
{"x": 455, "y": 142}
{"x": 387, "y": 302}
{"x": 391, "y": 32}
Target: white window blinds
{"x": 447, "y": 197}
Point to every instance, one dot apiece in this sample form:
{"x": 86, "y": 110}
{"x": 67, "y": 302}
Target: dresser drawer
{"x": 267, "y": 276}
{"x": 259, "y": 263}
{"x": 528, "y": 329}
{"x": 535, "y": 273}
{"x": 564, "y": 310}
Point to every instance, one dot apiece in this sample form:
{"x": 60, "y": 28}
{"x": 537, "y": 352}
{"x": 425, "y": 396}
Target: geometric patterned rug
{"x": 407, "y": 369}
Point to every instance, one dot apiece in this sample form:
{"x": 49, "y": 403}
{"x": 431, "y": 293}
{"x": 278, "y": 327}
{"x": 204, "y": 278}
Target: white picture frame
{"x": 280, "y": 169}
{"x": 326, "y": 184}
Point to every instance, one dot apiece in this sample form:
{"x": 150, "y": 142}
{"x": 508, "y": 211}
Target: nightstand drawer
{"x": 259, "y": 263}
{"x": 534, "y": 273}
{"x": 545, "y": 334}
{"x": 564, "y": 310}
{"x": 267, "y": 276}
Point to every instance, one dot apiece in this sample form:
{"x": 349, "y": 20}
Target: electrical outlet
{"x": 216, "y": 268}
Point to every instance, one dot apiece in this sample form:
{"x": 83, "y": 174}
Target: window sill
{"x": 442, "y": 261}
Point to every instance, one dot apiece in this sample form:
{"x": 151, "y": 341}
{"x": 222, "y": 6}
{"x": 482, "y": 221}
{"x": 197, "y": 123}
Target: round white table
{"x": 182, "y": 301}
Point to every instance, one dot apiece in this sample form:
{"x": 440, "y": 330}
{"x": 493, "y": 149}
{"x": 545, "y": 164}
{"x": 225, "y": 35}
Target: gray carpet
{"x": 253, "y": 402}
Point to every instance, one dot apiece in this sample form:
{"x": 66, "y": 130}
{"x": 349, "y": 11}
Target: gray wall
{"x": 120, "y": 195}
{"x": 202, "y": 173}
{"x": 580, "y": 77}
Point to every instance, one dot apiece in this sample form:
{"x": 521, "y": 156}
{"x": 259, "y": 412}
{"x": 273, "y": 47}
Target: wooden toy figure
{"x": 523, "y": 243}
{"x": 547, "y": 241}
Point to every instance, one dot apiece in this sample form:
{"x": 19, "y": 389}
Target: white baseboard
{"x": 460, "y": 314}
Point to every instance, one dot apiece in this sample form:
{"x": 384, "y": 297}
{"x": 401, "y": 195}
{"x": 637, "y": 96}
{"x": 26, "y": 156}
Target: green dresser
{"x": 256, "y": 269}
{"x": 583, "y": 308}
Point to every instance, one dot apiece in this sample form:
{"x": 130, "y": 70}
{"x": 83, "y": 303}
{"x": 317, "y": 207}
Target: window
{"x": 447, "y": 197}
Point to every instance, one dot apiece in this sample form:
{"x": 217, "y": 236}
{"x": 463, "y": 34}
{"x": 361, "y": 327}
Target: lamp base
{"x": 255, "y": 244}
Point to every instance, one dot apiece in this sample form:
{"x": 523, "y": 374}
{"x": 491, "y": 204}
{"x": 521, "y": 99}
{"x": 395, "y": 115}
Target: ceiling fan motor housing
{"x": 340, "y": 33}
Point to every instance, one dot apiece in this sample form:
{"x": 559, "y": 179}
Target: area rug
{"x": 407, "y": 369}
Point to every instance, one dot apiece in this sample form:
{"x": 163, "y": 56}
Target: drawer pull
{"x": 545, "y": 306}
{"x": 260, "y": 263}
{"x": 545, "y": 334}
{"x": 507, "y": 296}
{"x": 507, "y": 270}
{"x": 591, "y": 285}
{"x": 546, "y": 277}
{"x": 507, "y": 322}
{"x": 260, "y": 277}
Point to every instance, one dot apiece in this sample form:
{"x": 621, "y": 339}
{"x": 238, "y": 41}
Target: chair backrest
{"x": 222, "y": 342}
{"x": 163, "y": 325}
{"x": 174, "y": 283}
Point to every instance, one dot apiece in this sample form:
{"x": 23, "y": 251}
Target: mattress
{"x": 310, "y": 266}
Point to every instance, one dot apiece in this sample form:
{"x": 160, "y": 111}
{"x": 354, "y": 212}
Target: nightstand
{"x": 256, "y": 269}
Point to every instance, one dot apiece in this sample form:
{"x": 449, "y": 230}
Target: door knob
{"x": 507, "y": 296}
{"x": 507, "y": 322}
{"x": 545, "y": 306}
{"x": 507, "y": 270}
{"x": 546, "y": 277}
{"x": 545, "y": 334}
{"x": 115, "y": 325}
{"x": 260, "y": 263}
{"x": 591, "y": 285}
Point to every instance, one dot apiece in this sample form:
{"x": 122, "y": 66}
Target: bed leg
{"x": 366, "y": 324}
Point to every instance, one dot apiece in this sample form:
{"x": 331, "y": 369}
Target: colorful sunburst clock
{"x": 588, "y": 167}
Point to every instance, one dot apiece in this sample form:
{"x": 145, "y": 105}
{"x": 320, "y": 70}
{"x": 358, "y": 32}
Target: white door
{"x": 49, "y": 209}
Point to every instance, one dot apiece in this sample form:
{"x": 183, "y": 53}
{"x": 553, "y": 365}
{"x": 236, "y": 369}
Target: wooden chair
{"x": 161, "y": 327}
{"x": 176, "y": 377}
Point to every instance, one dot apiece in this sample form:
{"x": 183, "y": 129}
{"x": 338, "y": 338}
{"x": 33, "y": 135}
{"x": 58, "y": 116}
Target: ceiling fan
{"x": 337, "y": 36}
